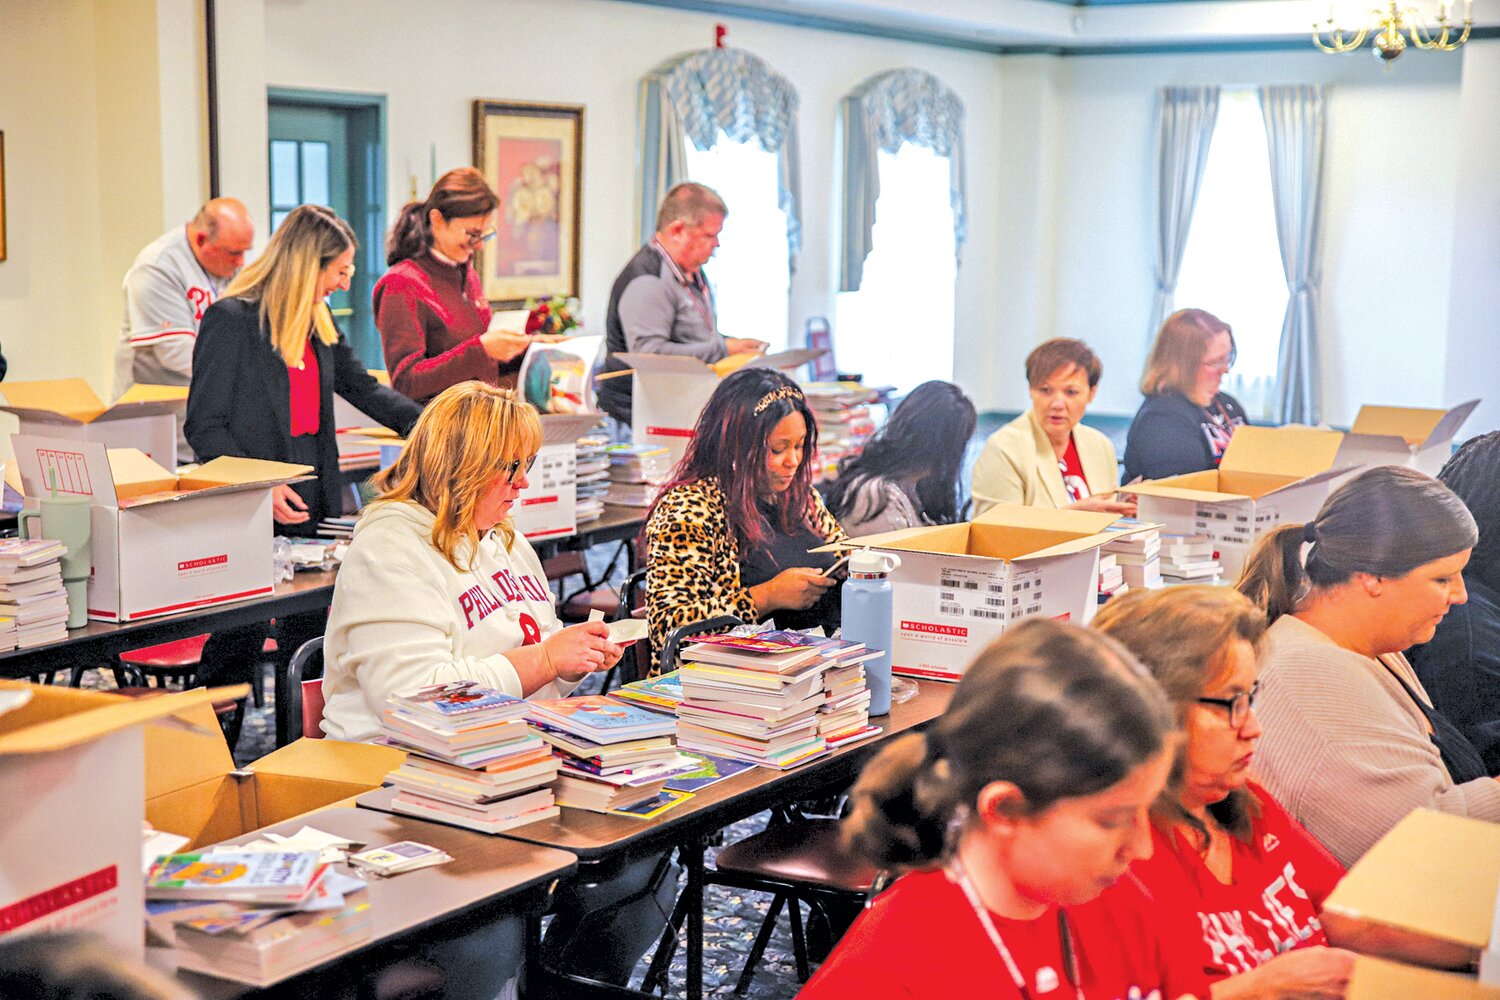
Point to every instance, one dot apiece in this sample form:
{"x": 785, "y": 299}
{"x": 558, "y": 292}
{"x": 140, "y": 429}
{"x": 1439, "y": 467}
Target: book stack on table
{"x": 254, "y": 916}
{"x": 636, "y": 472}
{"x": 842, "y": 412}
{"x": 31, "y": 592}
{"x": 593, "y": 467}
{"x": 755, "y": 698}
{"x": 612, "y": 755}
{"x": 1138, "y": 558}
{"x": 472, "y": 760}
{"x": 655, "y": 694}
{"x": 1189, "y": 559}
{"x": 844, "y": 716}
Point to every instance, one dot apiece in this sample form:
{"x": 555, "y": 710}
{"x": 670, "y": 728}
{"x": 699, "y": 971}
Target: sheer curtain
{"x": 1295, "y": 136}
{"x": 696, "y": 97}
{"x": 879, "y": 115}
{"x": 1185, "y": 127}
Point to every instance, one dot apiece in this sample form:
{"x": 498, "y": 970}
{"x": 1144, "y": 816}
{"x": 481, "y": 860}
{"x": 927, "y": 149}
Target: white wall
{"x": 433, "y": 60}
{"x": 1389, "y": 199}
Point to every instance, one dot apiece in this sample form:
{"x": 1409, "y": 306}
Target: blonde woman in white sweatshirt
{"x": 438, "y": 586}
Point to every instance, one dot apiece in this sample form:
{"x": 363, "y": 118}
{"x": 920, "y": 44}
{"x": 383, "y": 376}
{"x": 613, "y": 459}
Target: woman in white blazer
{"x": 1046, "y": 457}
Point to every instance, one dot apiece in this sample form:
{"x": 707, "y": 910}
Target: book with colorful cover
{"x": 711, "y": 769}
{"x": 458, "y": 698}
{"x": 248, "y": 876}
{"x": 654, "y": 806}
{"x": 660, "y": 693}
{"x": 599, "y": 718}
{"x": 250, "y": 949}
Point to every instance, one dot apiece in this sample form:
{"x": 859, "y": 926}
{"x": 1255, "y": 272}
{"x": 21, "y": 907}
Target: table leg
{"x": 692, "y": 855}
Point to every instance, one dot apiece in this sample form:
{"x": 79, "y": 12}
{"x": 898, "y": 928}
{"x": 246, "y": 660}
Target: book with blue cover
{"x": 459, "y": 698}
{"x": 600, "y": 718}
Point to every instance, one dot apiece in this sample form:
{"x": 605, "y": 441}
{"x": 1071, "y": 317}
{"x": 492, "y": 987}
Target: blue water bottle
{"x": 867, "y": 618}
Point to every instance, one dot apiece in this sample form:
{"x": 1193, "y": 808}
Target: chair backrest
{"x": 820, "y": 336}
{"x": 304, "y": 716}
{"x": 719, "y": 623}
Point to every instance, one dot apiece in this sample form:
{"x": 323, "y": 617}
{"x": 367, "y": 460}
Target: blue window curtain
{"x": 903, "y": 105}
{"x": 690, "y": 98}
{"x": 1296, "y": 126}
{"x": 1184, "y": 129}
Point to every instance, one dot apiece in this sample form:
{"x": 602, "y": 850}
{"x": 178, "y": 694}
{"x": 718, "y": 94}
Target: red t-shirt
{"x": 1071, "y": 467}
{"x": 920, "y": 938}
{"x": 1280, "y": 881}
{"x": 305, "y": 397}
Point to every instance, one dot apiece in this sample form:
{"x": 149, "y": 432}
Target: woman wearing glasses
{"x": 1243, "y": 879}
{"x": 1186, "y": 422}
{"x": 438, "y": 586}
{"x": 1352, "y": 743}
{"x": 430, "y": 306}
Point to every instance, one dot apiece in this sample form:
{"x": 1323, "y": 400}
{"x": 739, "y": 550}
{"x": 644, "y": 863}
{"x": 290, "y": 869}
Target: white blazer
{"x": 1019, "y": 466}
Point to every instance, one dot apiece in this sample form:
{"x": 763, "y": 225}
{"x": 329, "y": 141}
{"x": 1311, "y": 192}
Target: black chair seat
{"x": 806, "y": 852}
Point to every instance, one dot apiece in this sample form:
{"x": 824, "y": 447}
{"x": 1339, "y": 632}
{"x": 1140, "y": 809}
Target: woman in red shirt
{"x": 1230, "y": 866}
{"x": 1019, "y": 810}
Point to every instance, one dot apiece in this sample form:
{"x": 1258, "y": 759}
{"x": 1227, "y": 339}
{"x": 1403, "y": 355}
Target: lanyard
{"x": 1064, "y": 932}
{"x": 696, "y": 286}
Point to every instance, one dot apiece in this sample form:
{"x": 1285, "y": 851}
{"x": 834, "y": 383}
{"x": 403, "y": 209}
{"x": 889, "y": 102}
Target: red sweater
{"x": 430, "y": 316}
{"x": 920, "y": 939}
{"x": 1280, "y": 880}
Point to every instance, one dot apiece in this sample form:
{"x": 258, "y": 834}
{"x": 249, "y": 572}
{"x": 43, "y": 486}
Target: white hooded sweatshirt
{"x": 402, "y": 617}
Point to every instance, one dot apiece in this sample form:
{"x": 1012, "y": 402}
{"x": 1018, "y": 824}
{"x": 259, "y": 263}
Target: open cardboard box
{"x": 194, "y": 790}
{"x": 161, "y": 542}
{"x": 1403, "y": 435}
{"x": 72, "y": 770}
{"x": 959, "y": 586}
{"x": 671, "y": 390}
{"x": 144, "y": 418}
{"x": 1377, "y": 979}
{"x": 1268, "y": 475}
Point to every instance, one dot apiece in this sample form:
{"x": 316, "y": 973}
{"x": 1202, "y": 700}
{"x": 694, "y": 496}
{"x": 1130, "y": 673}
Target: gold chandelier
{"x": 1393, "y": 27}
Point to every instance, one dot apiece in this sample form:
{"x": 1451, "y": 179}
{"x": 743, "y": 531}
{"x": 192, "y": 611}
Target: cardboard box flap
{"x": 229, "y": 470}
{"x": 136, "y": 474}
{"x": 142, "y": 400}
{"x": 382, "y": 434}
{"x": 1198, "y": 487}
{"x": 792, "y": 358}
{"x": 1287, "y": 451}
{"x": 1319, "y": 477}
{"x": 74, "y": 468}
{"x": 1070, "y": 546}
{"x": 1417, "y": 427}
{"x": 183, "y": 756}
{"x": 54, "y": 721}
{"x": 566, "y": 428}
{"x": 1078, "y": 522}
{"x": 1410, "y": 879}
{"x": 1377, "y": 979}
{"x": 335, "y": 760}
{"x": 67, "y": 399}
{"x": 679, "y": 363}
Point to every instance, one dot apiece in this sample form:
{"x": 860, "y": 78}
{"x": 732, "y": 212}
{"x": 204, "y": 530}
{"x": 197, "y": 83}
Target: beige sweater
{"x": 1345, "y": 749}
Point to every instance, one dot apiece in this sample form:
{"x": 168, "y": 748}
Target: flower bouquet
{"x": 550, "y": 316}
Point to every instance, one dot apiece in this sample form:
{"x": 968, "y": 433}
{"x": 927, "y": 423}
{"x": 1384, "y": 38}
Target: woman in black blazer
{"x": 268, "y": 360}
{"x": 266, "y": 364}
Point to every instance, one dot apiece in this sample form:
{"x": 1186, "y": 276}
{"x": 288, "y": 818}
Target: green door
{"x": 328, "y": 152}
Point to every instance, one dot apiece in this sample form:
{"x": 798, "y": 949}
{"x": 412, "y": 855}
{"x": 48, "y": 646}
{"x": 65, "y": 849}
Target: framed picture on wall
{"x": 2, "y": 195}
{"x": 532, "y": 155}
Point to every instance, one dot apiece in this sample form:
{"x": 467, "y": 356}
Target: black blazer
{"x": 1167, "y": 436}
{"x": 239, "y": 402}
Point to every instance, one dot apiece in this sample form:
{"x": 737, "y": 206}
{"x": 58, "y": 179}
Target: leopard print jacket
{"x": 693, "y": 559}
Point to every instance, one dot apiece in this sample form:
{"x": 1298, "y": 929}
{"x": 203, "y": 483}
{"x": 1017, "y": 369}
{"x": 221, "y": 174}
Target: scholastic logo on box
{"x": 98, "y": 887}
{"x": 931, "y": 628}
{"x": 197, "y": 567}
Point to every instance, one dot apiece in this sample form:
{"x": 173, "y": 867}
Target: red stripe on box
{"x": 671, "y": 432}
{"x": 549, "y": 531}
{"x": 59, "y": 897}
{"x": 222, "y": 598}
{"x": 533, "y": 500}
{"x": 936, "y": 675}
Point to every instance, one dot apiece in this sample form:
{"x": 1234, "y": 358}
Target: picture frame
{"x": 2, "y": 196}
{"x": 532, "y": 156}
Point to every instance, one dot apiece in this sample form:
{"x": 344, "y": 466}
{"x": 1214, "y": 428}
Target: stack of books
{"x": 844, "y": 716}
{"x": 265, "y": 877}
{"x": 472, "y": 760}
{"x": 1189, "y": 559}
{"x": 754, "y": 698}
{"x": 337, "y": 527}
{"x": 655, "y": 694}
{"x": 842, "y": 412}
{"x": 1111, "y": 577}
{"x": 31, "y": 591}
{"x": 1138, "y": 557}
{"x": 611, "y": 755}
{"x": 593, "y": 478}
{"x": 636, "y": 472}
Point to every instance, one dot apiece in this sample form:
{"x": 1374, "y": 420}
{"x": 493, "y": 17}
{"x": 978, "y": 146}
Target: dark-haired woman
{"x": 907, "y": 475}
{"x": 1244, "y": 879}
{"x": 730, "y": 533}
{"x": 1352, "y": 743}
{"x": 430, "y": 306}
{"x": 1460, "y": 665}
{"x": 1017, "y": 814}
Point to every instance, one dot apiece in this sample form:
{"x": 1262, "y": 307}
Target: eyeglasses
{"x": 510, "y": 469}
{"x": 1221, "y": 365}
{"x": 474, "y": 237}
{"x": 1239, "y": 706}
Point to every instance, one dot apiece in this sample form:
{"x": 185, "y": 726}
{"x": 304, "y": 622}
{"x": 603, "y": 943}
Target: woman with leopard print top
{"x": 730, "y": 534}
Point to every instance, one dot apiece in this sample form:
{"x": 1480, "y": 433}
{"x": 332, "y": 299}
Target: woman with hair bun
{"x": 1017, "y": 814}
{"x": 1352, "y": 742}
{"x": 430, "y": 306}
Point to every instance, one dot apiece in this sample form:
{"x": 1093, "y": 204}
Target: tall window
{"x": 898, "y": 328}
{"x": 750, "y": 274}
{"x": 1231, "y": 264}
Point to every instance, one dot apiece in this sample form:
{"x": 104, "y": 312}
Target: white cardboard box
{"x": 1402, "y": 435}
{"x": 72, "y": 775}
{"x": 145, "y": 418}
{"x": 959, "y": 586}
{"x": 163, "y": 543}
{"x": 671, "y": 390}
{"x": 1268, "y": 475}
{"x": 548, "y": 507}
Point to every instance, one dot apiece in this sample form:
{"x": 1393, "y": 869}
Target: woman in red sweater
{"x": 430, "y": 306}
{"x": 1230, "y": 867}
{"x": 1019, "y": 810}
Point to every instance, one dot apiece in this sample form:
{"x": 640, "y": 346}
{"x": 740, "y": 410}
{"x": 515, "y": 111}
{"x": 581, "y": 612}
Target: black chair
{"x": 305, "y": 666}
{"x": 631, "y": 604}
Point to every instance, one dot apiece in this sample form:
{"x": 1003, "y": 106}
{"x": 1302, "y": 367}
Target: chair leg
{"x": 799, "y": 942}
{"x": 661, "y": 959}
{"x": 762, "y": 938}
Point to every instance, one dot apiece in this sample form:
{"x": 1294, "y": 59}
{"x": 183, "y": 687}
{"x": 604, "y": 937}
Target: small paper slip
{"x": 403, "y": 856}
{"x": 331, "y": 848}
{"x": 627, "y": 630}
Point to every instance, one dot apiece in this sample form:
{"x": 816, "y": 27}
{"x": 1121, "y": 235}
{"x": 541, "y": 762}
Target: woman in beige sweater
{"x": 1352, "y": 743}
